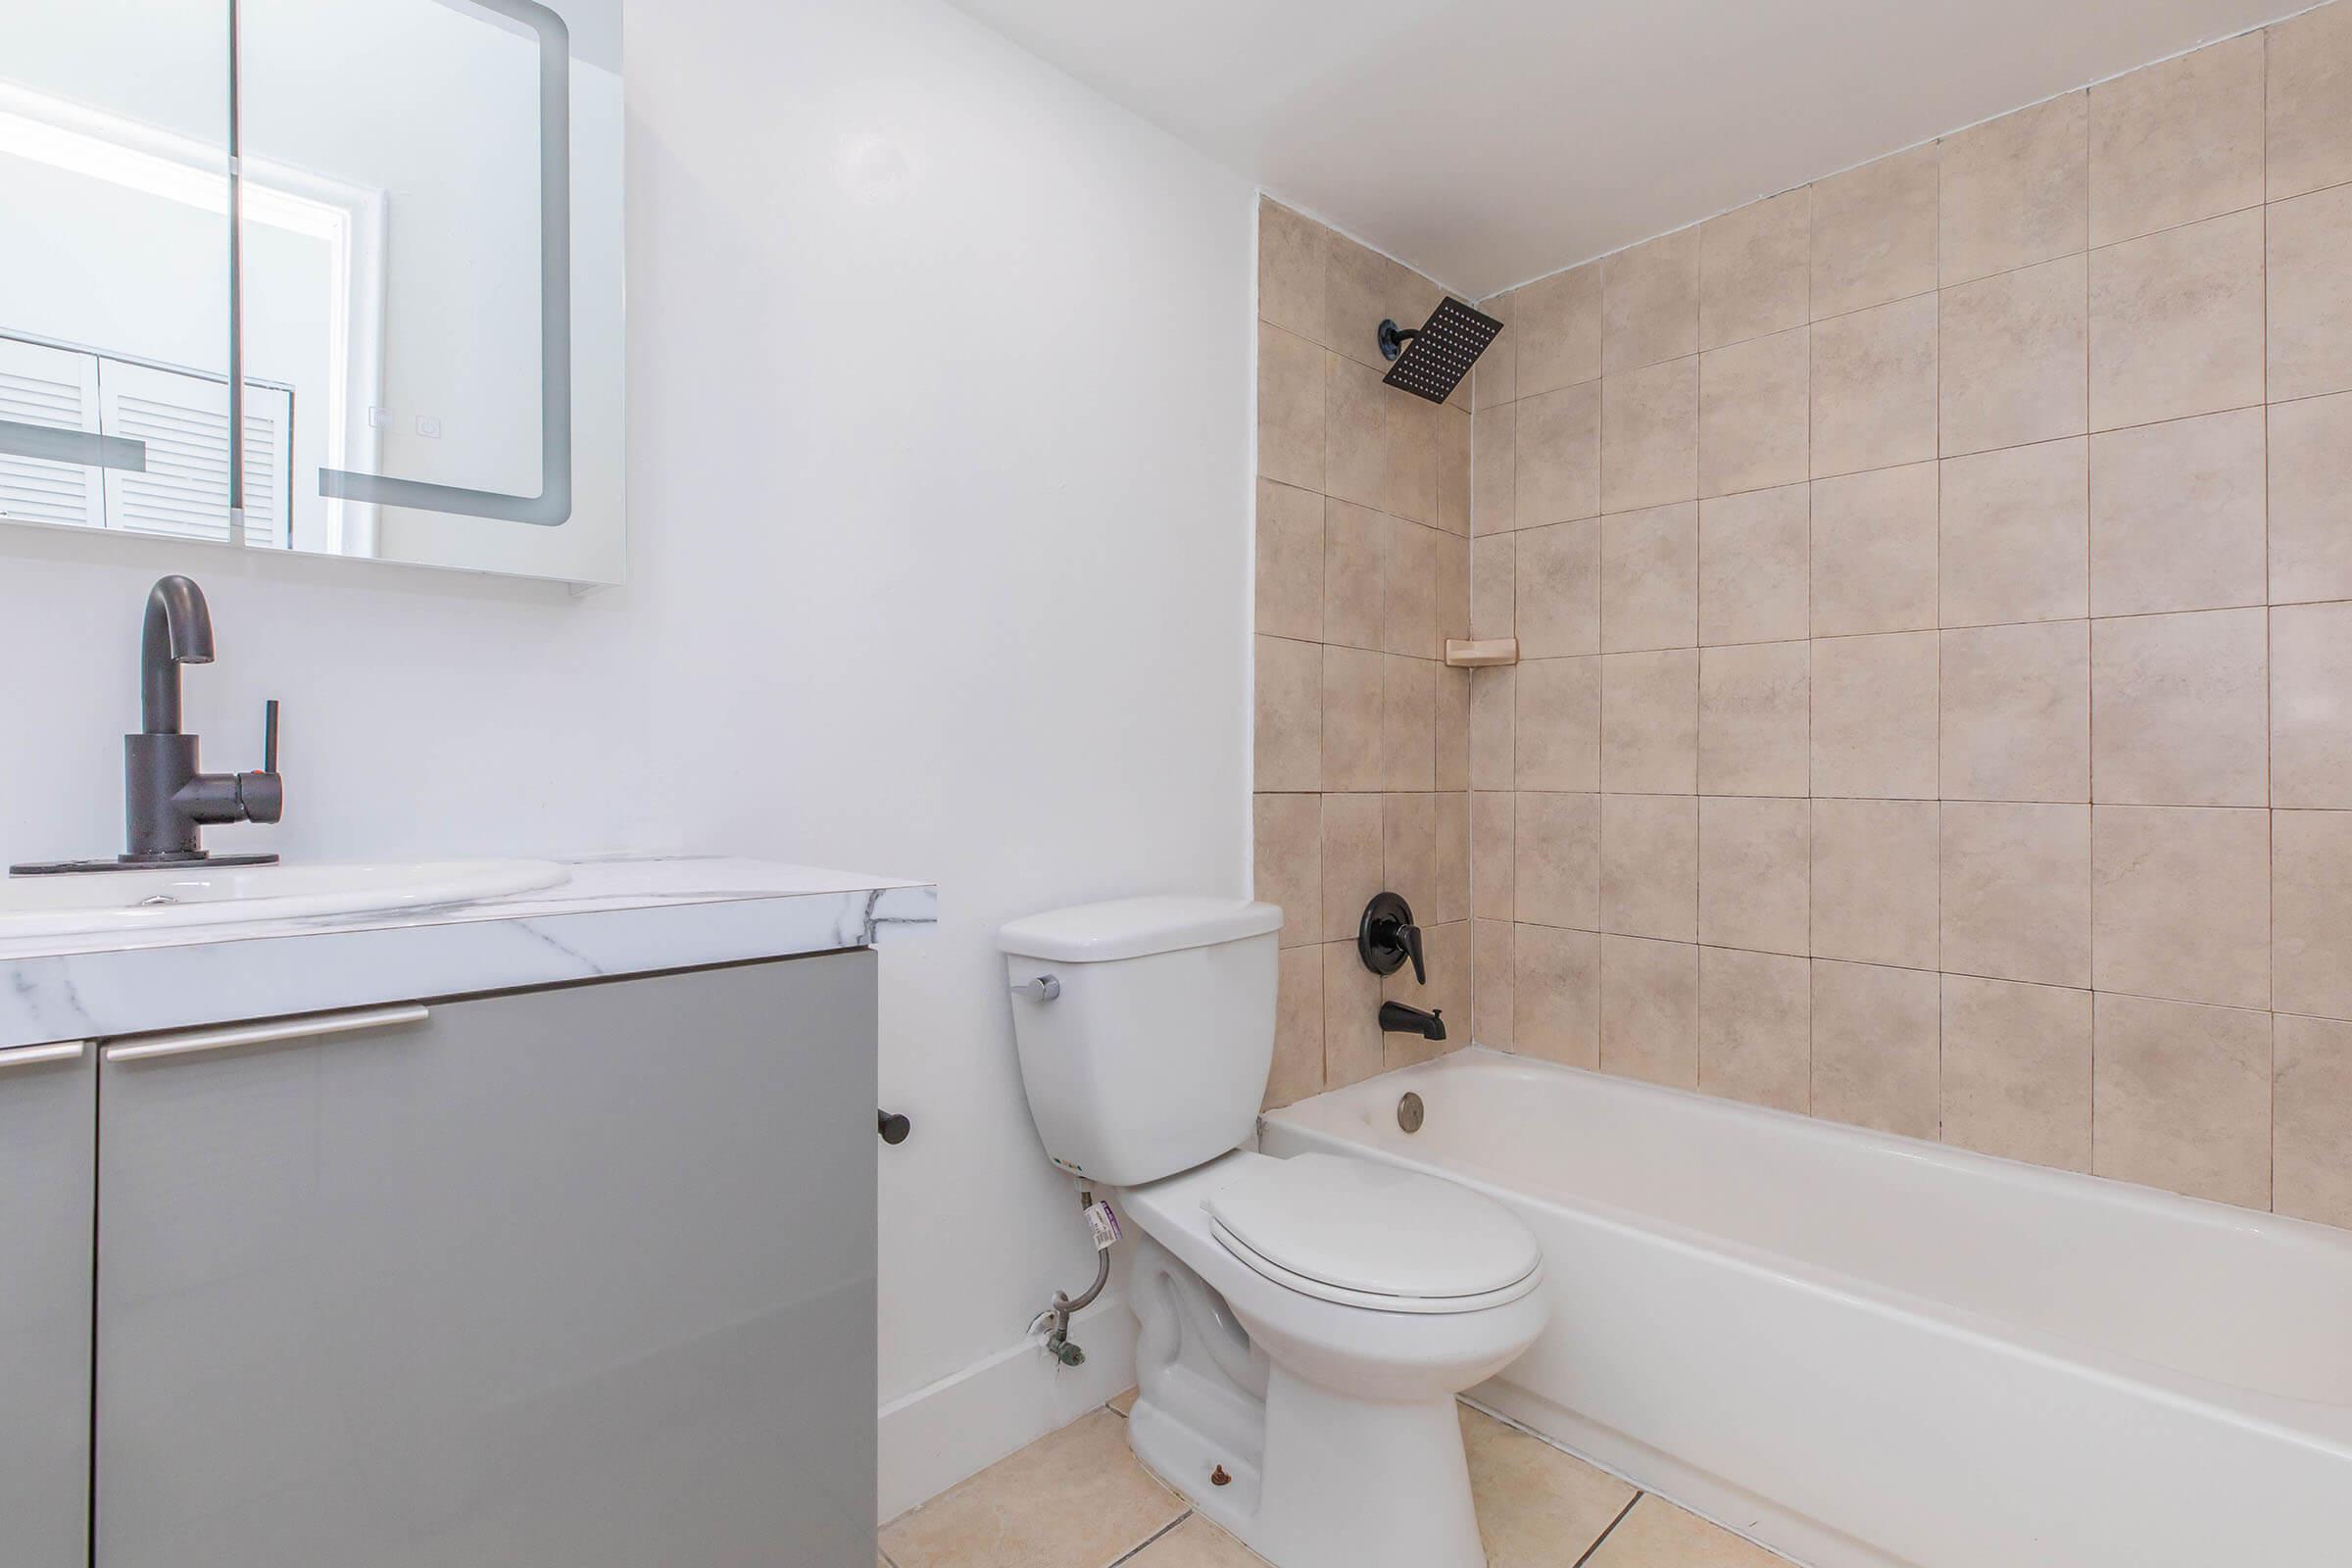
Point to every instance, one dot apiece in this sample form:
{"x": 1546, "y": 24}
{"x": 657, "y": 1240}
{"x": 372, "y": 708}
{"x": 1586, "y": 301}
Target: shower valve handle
{"x": 1387, "y": 935}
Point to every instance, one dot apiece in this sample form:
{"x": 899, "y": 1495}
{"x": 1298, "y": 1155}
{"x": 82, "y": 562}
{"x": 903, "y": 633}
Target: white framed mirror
{"x": 380, "y": 240}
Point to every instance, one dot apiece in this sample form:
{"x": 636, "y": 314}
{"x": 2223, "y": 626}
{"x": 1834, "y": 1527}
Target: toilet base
{"x": 1345, "y": 1484}
{"x": 1313, "y": 1477}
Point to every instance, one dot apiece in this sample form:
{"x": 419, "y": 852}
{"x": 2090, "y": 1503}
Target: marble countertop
{"x": 614, "y": 916}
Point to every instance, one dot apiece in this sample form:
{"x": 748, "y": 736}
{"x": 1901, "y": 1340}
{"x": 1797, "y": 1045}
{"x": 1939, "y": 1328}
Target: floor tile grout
{"x": 1463, "y": 1401}
{"x": 1152, "y": 1540}
{"x": 1612, "y": 1529}
{"x": 1137, "y": 1555}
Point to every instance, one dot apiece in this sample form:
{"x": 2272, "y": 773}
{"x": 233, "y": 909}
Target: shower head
{"x": 1432, "y": 360}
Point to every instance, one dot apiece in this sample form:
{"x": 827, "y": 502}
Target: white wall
{"x": 941, "y": 381}
{"x": 426, "y": 713}
{"x": 940, "y": 540}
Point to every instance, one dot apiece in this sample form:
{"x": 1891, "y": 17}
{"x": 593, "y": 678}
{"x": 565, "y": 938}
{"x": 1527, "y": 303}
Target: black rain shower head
{"x": 1432, "y": 362}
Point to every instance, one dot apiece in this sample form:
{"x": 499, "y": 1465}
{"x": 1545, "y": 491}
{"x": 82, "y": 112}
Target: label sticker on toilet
{"x": 1105, "y": 1224}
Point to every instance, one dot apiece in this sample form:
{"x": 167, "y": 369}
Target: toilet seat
{"x": 1322, "y": 1292}
{"x": 1369, "y": 1235}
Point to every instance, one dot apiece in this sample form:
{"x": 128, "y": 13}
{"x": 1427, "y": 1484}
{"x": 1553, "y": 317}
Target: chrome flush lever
{"x": 1044, "y": 988}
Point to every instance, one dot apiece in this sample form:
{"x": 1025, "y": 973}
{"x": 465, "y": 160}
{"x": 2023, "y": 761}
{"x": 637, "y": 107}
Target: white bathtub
{"x": 1865, "y": 1350}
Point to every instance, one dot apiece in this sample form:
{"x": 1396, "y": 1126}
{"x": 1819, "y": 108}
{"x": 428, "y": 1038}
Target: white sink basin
{"x": 201, "y": 895}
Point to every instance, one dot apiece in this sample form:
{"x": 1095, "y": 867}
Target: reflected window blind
{"x": 268, "y": 455}
{"x": 183, "y": 420}
{"x": 57, "y": 388}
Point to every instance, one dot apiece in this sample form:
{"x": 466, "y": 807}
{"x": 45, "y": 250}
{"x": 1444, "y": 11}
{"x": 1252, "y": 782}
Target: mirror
{"x": 115, "y": 344}
{"x": 421, "y": 304}
{"x": 431, "y": 261}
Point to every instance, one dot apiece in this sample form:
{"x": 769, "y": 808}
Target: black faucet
{"x": 166, "y": 800}
{"x": 1396, "y": 1018}
{"x": 1387, "y": 940}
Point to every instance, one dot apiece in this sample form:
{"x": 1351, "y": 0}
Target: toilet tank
{"x": 1148, "y": 1052}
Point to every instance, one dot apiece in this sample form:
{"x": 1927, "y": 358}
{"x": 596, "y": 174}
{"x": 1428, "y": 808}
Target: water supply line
{"x": 1056, "y": 1318}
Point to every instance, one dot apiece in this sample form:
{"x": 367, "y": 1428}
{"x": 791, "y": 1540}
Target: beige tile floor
{"x": 1077, "y": 1499}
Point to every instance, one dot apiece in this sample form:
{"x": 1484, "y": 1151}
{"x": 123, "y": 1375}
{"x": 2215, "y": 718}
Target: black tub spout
{"x": 1396, "y": 1018}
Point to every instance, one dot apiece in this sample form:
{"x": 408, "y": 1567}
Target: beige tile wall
{"x": 1934, "y": 596}
{"x": 1363, "y": 733}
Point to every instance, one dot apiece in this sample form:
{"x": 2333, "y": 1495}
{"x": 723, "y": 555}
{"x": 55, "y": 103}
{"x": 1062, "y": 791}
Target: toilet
{"x": 1306, "y": 1322}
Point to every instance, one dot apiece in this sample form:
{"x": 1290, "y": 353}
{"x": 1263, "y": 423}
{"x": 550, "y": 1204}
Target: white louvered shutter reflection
{"x": 183, "y": 421}
{"x": 57, "y": 388}
{"x": 268, "y": 466}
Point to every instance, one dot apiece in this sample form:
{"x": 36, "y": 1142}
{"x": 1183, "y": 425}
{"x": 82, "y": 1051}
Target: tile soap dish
{"x": 1485, "y": 652}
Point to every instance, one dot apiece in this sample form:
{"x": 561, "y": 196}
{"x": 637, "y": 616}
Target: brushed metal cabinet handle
{"x": 193, "y": 1042}
{"x": 38, "y": 1056}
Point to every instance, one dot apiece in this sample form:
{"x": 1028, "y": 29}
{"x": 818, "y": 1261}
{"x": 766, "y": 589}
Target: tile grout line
{"x": 1150, "y": 1541}
{"x": 2090, "y": 721}
{"x": 2270, "y": 677}
{"x": 2085, "y": 250}
{"x": 1812, "y": 811}
{"x": 1880, "y": 799}
{"x": 1953, "y": 975}
{"x": 1698, "y": 477}
{"x": 2092, "y": 432}
{"x": 1605, "y": 1535}
{"x": 1827, "y": 637}
{"x": 1942, "y": 787}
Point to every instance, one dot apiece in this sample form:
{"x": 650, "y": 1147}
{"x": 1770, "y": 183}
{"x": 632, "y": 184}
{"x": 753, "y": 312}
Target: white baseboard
{"x": 965, "y": 1422}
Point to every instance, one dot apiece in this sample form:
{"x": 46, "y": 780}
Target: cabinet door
{"x": 580, "y": 1277}
{"x": 48, "y": 1125}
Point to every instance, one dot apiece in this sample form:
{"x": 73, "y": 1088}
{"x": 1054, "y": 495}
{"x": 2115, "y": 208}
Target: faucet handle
{"x": 1410, "y": 935}
{"x": 263, "y": 795}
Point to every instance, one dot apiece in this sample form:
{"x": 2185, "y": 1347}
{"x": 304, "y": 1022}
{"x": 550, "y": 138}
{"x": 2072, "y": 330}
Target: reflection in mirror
{"x": 114, "y": 339}
{"x": 431, "y": 272}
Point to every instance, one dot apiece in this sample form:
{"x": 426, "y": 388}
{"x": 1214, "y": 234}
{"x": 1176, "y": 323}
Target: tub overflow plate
{"x": 1409, "y": 1113}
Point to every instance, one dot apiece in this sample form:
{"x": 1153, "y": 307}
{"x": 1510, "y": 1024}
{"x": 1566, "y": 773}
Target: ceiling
{"x": 1489, "y": 142}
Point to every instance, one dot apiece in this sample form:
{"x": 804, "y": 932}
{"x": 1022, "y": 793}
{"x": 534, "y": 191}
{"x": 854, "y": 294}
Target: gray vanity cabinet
{"x": 579, "y": 1278}
{"x": 47, "y": 1208}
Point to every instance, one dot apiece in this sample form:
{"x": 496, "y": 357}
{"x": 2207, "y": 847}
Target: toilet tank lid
{"x": 1135, "y": 928}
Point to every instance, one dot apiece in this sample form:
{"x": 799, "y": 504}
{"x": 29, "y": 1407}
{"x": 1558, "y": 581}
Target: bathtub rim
{"x": 2319, "y": 1424}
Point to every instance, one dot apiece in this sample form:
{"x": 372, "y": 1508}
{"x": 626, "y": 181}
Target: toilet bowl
{"x": 1307, "y": 1323}
{"x": 1329, "y": 1407}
